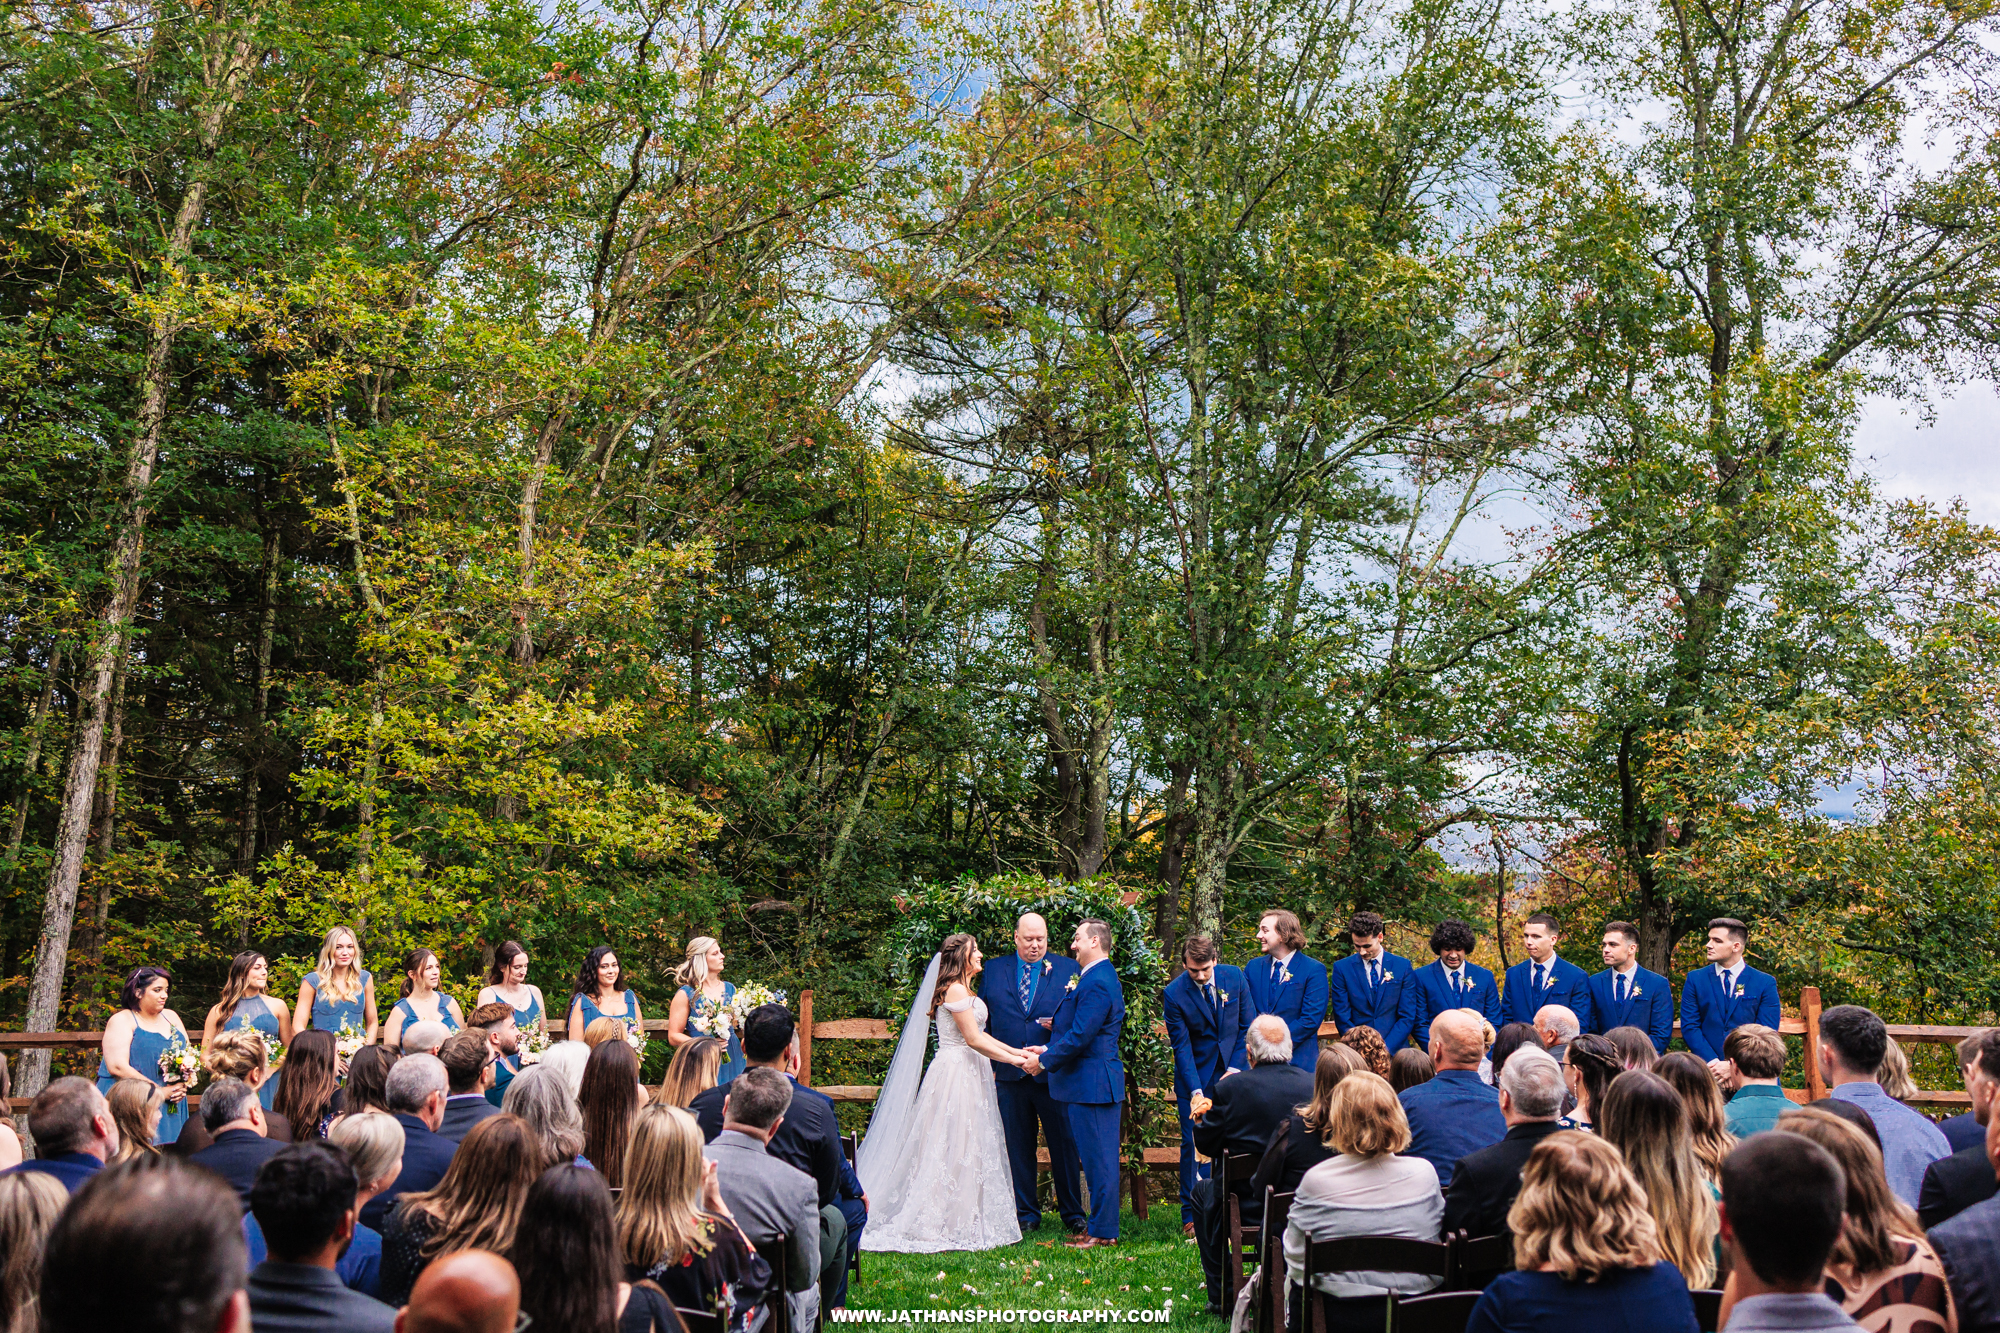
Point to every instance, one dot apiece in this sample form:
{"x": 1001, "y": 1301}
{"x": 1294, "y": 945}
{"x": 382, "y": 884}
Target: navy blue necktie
{"x": 1027, "y": 984}
{"x": 1214, "y": 1005}
{"x": 1536, "y": 984}
{"x": 1374, "y": 973}
{"x": 1621, "y": 988}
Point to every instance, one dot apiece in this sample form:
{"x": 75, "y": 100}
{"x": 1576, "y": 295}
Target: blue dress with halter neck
{"x": 732, "y": 1063}
{"x": 329, "y": 1015}
{"x": 144, "y": 1056}
{"x": 263, "y": 1020}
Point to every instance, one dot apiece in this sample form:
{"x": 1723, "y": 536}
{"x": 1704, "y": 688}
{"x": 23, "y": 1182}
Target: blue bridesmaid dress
{"x": 630, "y": 1013}
{"x": 410, "y": 1016}
{"x": 266, "y": 1022}
{"x": 328, "y": 1015}
{"x": 144, "y": 1056}
{"x": 525, "y": 1018}
{"x": 733, "y": 1063}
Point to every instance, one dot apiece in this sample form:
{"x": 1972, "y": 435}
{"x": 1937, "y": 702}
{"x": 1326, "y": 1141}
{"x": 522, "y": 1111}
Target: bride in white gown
{"x": 934, "y": 1161}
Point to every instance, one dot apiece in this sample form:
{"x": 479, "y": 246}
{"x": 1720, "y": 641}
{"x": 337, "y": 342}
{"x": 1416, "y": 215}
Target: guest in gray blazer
{"x": 769, "y": 1198}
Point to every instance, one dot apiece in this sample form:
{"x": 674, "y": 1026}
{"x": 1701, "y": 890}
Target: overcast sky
{"x": 1953, "y": 457}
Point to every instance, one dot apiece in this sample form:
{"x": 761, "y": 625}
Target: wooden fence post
{"x": 1815, "y": 1076}
{"x": 805, "y": 1038}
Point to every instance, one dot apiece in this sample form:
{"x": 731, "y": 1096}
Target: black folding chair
{"x": 1439, "y": 1312}
{"x": 1233, "y": 1172}
{"x": 1479, "y": 1259}
{"x": 1368, "y": 1254}
{"x": 1707, "y": 1309}
{"x": 849, "y": 1145}
{"x": 777, "y": 1253}
{"x": 1271, "y": 1301}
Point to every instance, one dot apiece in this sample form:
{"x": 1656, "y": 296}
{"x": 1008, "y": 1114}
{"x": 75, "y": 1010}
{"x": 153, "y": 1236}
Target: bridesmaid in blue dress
{"x": 508, "y": 985}
{"x": 601, "y": 993}
{"x": 422, "y": 1000}
{"x": 247, "y": 1003}
{"x": 135, "y": 1038}
{"x": 701, "y": 975}
{"x": 339, "y": 993}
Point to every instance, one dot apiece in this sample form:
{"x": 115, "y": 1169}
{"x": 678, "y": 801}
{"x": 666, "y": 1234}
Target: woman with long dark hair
{"x": 248, "y": 1003}
{"x": 422, "y": 1001}
{"x": 609, "y": 1098}
{"x": 507, "y": 983}
{"x": 566, "y": 1253}
{"x": 367, "y": 1081}
{"x": 601, "y": 992}
{"x": 306, "y": 1099}
{"x": 138, "y": 1041}
{"x": 475, "y": 1207}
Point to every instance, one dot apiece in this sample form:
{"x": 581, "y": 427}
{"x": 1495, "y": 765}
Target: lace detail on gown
{"x": 950, "y": 1187}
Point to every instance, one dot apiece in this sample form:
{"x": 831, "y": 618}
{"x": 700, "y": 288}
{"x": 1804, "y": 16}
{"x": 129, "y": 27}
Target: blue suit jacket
{"x": 1651, "y": 1006}
{"x": 1301, "y": 1002}
{"x": 1355, "y": 1004}
{"x": 1708, "y": 1016}
{"x": 1426, "y": 995}
{"x": 1205, "y": 1049}
{"x": 1082, "y": 1056}
{"x": 1564, "y": 983}
{"x": 999, "y": 986}
{"x": 73, "y": 1169}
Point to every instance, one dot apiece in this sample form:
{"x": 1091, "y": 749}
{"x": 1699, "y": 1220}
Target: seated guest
{"x": 541, "y": 1098}
{"x": 1784, "y": 1204}
{"x": 566, "y": 1255}
{"x": 1953, "y": 1185}
{"x": 1961, "y": 1131}
{"x": 1299, "y": 1143}
{"x": 769, "y": 1198}
{"x": 1753, "y": 1057}
{"x": 424, "y": 1037}
{"x": 74, "y": 1133}
{"x": 468, "y": 1070}
{"x": 567, "y": 1058}
{"x": 1969, "y": 1247}
{"x": 1410, "y": 1067}
{"x": 1589, "y": 1065}
{"x": 30, "y": 1203}
{"x": 1635, "y": 1048}
{"x": 415, "y": 1093}
{"x": 1557, "y": 1025}
{"x": 692, "y": 1071}
{"x": 1453, "y": 1115}
{"x": 1646, "y": 1120}
{"x": 600, "y": 1030}
{"x": 1369, "y": 1045}
{"x": 1586, "y": 1255}
{"x": 150, "y": 1244}
{"x": 235, "y": 1123}
{"x": 1366, "y": 1189}
{"x": 304, "y": 1205}
{"x": 1511, "y": 1038}
{"x": 1851, "y": 1042}
{"x": 608, "y": 1101}
{"x": 135, "y": 1105}
{"x": 473, "y": 1291}
{"x": 1894, "y": 1075}
{"x": 674, "y": 1226}
{"x": 1484, "y": 1183}
{"x": 1706, "y": 1120}
{"x": 497, "y": 1021}
{"x": 373, "y": 1142}
{"x": 305, "y": 1097}
{"x": 367, "y": 1083}
{"x": 239, "y": 1054}
{"x": 1882, "y": 1270}
{"x": 475, "y": 1207}
{"x": 1248, "y": 1108}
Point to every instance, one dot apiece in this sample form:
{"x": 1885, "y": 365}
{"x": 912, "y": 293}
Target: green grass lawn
{"x": 1152, "y": 1267}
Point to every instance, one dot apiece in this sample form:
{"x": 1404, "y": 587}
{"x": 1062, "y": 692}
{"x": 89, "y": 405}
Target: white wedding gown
{"x": 948, "y": 1186}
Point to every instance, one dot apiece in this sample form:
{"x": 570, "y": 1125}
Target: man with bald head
{"x": 470, "y": 1291}
{"x": 1022, "y": 990}
{"x": 1454, "y": 1114}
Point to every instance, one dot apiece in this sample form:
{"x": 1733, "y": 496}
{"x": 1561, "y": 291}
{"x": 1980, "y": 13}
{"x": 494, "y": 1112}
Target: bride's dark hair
{"x": 954, "y": 964}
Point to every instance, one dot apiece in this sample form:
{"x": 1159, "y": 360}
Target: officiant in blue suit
{"x": 1086, "y": 1075}
{"x": 1454, "y": 981}
{"x": 1719, "y": 998}
{"x": 1365, "y": 988}
{"x": 1287, "y": 983}
{"x": 1542, "y": 978}
{"x": 1022, "y": 991}
{"x": 1627, "y": 995}
{"x": 1207, "y": 1011}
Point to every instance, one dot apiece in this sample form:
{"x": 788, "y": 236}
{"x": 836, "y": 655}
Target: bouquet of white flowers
{"x": 180, "y": 1063}
{"x": 347, "y": 1042}
{"x": 274, "y": 1051}
{"x": 712, "y": 1018}
{"x": 635, "y": 1036}
{"x": 753, "y": 995}
{"x": 533, "y": 1043}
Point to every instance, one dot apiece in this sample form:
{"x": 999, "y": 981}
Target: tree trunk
{"x": 228, "y": 62}
{"x": 29, "y": 762}
{"x": 267, "y": 630}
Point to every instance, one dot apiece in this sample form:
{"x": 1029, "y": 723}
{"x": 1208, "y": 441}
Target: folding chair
{"x": 1368, "y": 1254}
{"x": 776, "y": 1253}
{"x": 1438, "y": 1312}
{"x": 1233, "y": 1171}
{"x": 1271, "y": 1301}
{"x": 1479, "y": 1259}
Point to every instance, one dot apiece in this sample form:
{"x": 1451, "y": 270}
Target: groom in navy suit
{"x": 1287, "y": 983}
{"x": 1086, "y": 1074}
{"x": 1627, "y": 995}
{"x": 1719, "y": 998}
{"x": 1206, "y": 1011}
{"x": 1022, "y": 990}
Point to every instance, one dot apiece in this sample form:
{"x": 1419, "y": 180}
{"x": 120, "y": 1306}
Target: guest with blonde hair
{"x": 238, "y": 1053}
{"x": 1646, "y": 1120}
{"x": 692, "y": 1071}
{"x": 600, "y": 1030}
{"x": 135, "y": 1108}
{"x": 1894, "y": 1073}
{"x": 339, "y": 993}
{"x": 675, "y": 1228}
{"x": 1586, "y": 1250}
{"x": 30, "y": 1203}
{"x": 1365, "y": 1189}
{"x": 701, "y": 983}
{"x": 1708, "y": 1114}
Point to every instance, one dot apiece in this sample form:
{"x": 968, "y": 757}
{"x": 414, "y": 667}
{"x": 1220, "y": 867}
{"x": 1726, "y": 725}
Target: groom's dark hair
{"x": 767, "y": 1033}
{"x": 1099, "y": 931}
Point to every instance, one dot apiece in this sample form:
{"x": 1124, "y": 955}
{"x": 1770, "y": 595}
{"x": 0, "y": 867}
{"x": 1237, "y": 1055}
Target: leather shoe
{"x": 1187, "y": 1228}
{"x": 1089, "y": 1242}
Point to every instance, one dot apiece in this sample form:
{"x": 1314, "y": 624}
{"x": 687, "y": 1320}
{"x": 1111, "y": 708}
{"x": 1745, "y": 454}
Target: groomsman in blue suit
{"x": 1452, "y": 982}
{"x": 1207, "y": 1011}
{"x": 1365, "y": 988}
{"x": 1627, "y": 995}
{"x": 1543, "y": 978}
{"x": 1287, "y": 983}
{"x": 1086, "y": 1075}
{"x": 1726, "y": 994}
{"x": 1022, "y": 991}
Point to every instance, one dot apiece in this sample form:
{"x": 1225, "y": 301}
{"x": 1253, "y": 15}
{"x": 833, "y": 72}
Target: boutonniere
{"x": 1284, "y": 973}
{"x": 1225, "y": 996}
{"x": 1072, "y": 982}
{"x": 1739, "y": 992}
{"x": 1047, "y": 967}
{"x": 1387, "y": 975}
{"x": 1637, "y": 992}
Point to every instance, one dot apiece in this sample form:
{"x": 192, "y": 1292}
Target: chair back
{"x": 1368, "y": 1254}
{"x": 1439, "y": 1312}
{"x": 777, "y": 1253}
{"x": 1271, "y": 1300}
{"x": 699, "y": 1321}
{"x": 1707, "y": 1309}
{"x": 1233, "y": 1172}
{"x": 1480, "y": 1258}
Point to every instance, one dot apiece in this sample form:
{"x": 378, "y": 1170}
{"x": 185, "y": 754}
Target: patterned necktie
{"x": 1027, "y": 984}
{"x": 1620, "y": 988}
{"x": 1536, "y": 984}
{"x": 1214, "y": 1005}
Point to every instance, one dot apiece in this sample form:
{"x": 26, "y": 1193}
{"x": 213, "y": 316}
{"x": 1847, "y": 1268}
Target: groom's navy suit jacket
{"x": 1082, "y": 1056}
{"x": 1000, "y": 987}
{"x": 1207, "y": 1041}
